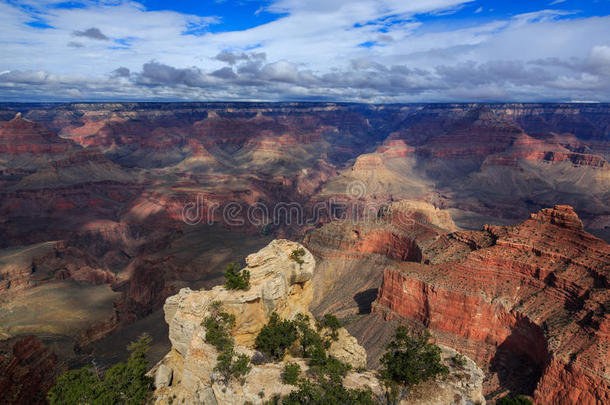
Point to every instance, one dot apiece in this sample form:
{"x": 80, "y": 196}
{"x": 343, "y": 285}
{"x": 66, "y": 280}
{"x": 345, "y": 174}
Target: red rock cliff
{"x": 531, "y": 304}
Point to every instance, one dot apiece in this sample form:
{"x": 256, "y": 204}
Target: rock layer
{"x": 277, "y": 284}
{"x": 27, "y": 371}
{"x": 531, "y": 297}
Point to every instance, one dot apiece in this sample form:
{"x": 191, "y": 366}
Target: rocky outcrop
{"x": 277, "y": 284}
{"x": 528, "y": 301}
{"x": 399, "y": 231}
{"x": 281, "y": 285}
{"x": 562, "y": 216}
{"x": 347, "y": 349}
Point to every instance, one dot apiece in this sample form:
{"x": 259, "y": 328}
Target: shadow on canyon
{"x": 364, "y": 300}
{"x": 520, "y": 360}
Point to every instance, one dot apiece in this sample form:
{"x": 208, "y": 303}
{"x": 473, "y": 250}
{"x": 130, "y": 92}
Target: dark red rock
{"x": 27, "y": 372}
{"x": 20, "y": 135}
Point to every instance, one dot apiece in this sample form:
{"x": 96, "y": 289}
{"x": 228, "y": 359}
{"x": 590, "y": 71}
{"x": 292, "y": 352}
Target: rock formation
{"x": 278, "y": 284}
{"x": 529, "y": 300}
{"x": 22, "y": 136}
{"x": 394, "y": 232}
{"x": 27, "y": 371}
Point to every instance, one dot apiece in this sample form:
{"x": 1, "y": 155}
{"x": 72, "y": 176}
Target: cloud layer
{"x": 358, "y": 50}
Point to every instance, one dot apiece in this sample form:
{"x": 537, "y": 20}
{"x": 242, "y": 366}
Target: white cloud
{"x": 315, "y": 50}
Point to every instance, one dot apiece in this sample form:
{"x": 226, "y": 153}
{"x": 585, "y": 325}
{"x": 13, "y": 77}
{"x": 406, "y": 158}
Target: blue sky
{"x": 341, "y": 50}
{"x": 234, "y": 15}
{"x": 240, "y": 15}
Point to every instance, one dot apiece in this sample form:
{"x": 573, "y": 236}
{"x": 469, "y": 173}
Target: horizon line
{"x": 110, "y": 101}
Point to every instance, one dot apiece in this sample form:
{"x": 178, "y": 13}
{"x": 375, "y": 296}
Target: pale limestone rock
{"x": 363, "y": 380}
{"x": 262, "y": 383}
{"x": 347, "y": 349}
{"x": 207, "y": 397}
{"x": 163, "y": 376}
{"x": 277, "y": 284}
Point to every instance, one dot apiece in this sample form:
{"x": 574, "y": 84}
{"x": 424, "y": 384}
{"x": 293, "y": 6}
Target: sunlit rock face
{"x": 278, "y": 284}
{"x": 530, "y": 297}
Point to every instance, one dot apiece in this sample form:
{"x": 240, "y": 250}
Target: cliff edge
{"x": 280, "y": 285}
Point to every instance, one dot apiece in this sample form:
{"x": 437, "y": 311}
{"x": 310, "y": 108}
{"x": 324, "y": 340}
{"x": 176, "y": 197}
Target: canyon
{"x": 415, "y": 213}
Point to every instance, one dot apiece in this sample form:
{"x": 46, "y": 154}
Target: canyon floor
{"x": 436, "y": 215}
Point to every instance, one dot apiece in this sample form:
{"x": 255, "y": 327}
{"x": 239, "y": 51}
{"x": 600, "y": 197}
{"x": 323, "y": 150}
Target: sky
{"x": 374, "y": 51}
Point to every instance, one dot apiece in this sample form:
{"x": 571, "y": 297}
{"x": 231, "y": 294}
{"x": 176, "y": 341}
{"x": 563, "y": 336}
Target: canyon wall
{"x": 92, "y": 198}
{"x": 529, "y": 302}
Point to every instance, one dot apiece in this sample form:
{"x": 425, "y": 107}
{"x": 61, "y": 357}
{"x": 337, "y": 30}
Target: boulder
{"x": 163, "y": 376}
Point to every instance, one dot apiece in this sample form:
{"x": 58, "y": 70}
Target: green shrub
{"x": 230, "y": 365}
{"x": 309, "y": 340}
{"x": 218, "y": 329}
{"x": 514, "y": 400}
{"x": 236, "y": 279}
{"x": 327, "y": 393}
{"x": 124, "y": 383}
{"x": 76, "y": 387}
{"x": 458, "y": 360}
{"x": 326, "y": 372}
{"x": 241, "y": 366}
{"x": 409, "y": 360}
{"x": 276, "y": 337}
{"x": 297, "y": 255}
{"x": 291, "y": 373}
{"x": 335, "y": 369}
{"x": 333, "y": 323}
{"x": 317, "y": 356}
{"x": 223, "y": 363}
{"x": 218, "y": 333}
{"x": 324, "y": 365}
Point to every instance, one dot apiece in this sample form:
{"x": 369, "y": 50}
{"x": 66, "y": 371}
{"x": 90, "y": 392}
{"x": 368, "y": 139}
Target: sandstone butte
{"x": 531, "y": 297}
{"x": 281, "y": 285}
{"x": 24, "y": 136}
